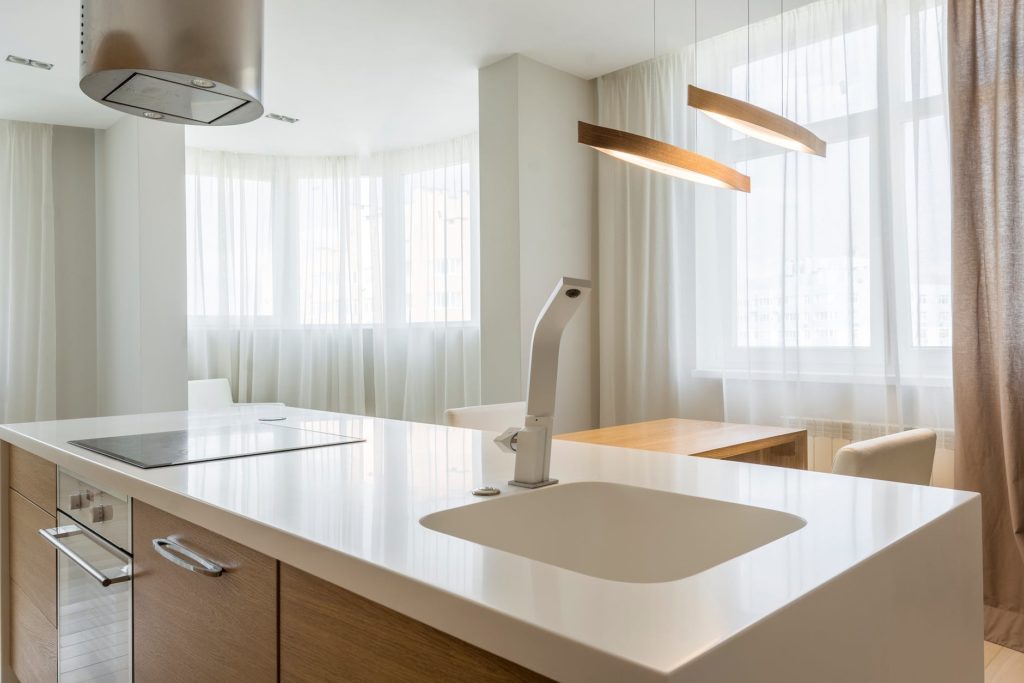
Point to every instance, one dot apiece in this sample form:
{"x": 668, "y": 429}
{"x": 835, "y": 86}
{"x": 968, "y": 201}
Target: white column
{"x": 537, "y": 223}
{"x": 140, "y": 268}
{"x": 74, "y": 243}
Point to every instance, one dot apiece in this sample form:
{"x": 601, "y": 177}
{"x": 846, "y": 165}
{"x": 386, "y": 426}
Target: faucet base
{"x": 546, "y": 482}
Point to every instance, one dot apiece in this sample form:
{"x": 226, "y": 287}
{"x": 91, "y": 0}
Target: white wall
{"x": 537, "y": 223}
{"x": 500, "y": 343}
{"x": 74, "y": 223}
{"x": 140, "y": 268}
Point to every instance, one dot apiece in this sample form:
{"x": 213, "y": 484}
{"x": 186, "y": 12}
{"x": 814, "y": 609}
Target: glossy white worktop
{"x": 350, "y": 514}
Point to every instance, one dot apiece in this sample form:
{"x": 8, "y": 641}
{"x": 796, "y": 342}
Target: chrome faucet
{"x": 531, "y": 443}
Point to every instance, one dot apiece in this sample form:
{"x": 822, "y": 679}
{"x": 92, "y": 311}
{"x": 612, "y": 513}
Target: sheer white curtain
{"x": 27, "y": 304}
{"x": 338, "y": 283}
{"x": 646, "y": 260}
{"x": 823, "y": 295}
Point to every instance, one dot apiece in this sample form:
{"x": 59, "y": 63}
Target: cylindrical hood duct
{"x": 197, "y": 62}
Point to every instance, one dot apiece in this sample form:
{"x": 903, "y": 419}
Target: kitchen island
{"x": 881, "y": 583}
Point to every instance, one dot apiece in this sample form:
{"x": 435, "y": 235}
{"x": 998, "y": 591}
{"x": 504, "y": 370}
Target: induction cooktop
{"x": 200, "y": 444}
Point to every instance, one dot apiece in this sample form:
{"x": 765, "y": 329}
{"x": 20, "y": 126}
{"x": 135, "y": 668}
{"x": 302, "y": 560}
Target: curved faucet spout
{"x": 532, "y": 443}
{"x": 563, "y": 303}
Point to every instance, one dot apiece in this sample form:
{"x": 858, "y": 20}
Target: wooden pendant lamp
{"x": 661, "y": 157}
{"x": 752, "y": 120}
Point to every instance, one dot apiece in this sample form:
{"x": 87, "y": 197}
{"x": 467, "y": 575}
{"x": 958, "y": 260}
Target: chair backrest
{"x": 905, "y": 457}
{"x": 496, "y": 417}
{"x": 209, "y": 393}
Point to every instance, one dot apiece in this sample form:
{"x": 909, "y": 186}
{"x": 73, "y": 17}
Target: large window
{"x": 844, "y": 260}
{"x": 342, "y": 283}
{"x": 438, "y": 252}
{"x": 291, "y": 242}
{"x": 339, "y": 266}
{"x": 228, "y": 247}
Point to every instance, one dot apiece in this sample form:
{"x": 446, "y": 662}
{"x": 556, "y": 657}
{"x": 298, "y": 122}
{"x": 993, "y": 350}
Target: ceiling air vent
{"x": 197, "y": 62}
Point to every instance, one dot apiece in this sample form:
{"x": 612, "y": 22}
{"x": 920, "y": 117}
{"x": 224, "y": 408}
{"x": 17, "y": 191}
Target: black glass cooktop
{"x": 162, "y": 449}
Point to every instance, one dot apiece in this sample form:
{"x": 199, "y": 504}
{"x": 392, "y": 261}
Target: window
{"x": 285, "y": 242}
{"x": 338, "y": 267}
{"x": 437, "y": 241}
{"x": 337, "y": 283}
{"x": 845, "y": 258}
{"x": 229, "y": 260}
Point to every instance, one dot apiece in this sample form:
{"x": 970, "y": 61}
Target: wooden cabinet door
{"x": 32, "y": 566}
{"x": 331, "y": 634}
{"x": 195, "y": 627}
{"x": 33, "y": 641}
{"x": 33, "y": 561}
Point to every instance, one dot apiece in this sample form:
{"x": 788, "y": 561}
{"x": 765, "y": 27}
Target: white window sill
{"x": 824, "y": 377}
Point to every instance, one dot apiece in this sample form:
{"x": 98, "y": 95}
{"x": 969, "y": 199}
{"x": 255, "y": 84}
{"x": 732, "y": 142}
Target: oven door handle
{"x": 53, "y": 537}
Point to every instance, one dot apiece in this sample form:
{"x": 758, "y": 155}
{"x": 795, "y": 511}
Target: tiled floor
{"x": 1003, "y": 665}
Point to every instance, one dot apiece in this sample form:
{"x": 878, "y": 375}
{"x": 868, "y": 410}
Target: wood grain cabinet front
{"x": 331, "y": 634}
{"x": 33, "y": 561}
{"x": 32, "y": 566}
{"x": 33, "y": 641}
{"x": 205, "y": 607}
{"x": 34, "y": 478}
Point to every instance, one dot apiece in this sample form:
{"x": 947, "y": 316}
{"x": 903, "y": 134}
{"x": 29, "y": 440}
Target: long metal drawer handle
{"x": 53, "y": 537}
{"x": 173, "y": 551}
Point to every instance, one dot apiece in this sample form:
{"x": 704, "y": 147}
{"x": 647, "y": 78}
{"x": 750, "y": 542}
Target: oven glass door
{"x": 94, "y": 622}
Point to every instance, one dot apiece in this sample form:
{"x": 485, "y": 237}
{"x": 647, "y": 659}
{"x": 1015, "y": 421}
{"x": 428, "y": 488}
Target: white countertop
{"x": 350, "y": 514}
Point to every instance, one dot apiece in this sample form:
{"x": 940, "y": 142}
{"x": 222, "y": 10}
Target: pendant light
{"x": 662, "y": 157}
{"x": 658, "y": 156}
{"x": 751, "y": 120}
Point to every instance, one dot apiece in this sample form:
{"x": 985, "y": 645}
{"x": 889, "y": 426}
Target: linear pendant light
{"x": 661, "y": 157}
{"x": 752, "y": 120}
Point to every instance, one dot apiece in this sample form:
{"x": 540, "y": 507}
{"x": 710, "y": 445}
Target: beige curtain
{"x": 986, "y": 91}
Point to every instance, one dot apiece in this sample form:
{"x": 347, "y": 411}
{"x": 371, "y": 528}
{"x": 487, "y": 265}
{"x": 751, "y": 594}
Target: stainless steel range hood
{"x": 196, "y": 62}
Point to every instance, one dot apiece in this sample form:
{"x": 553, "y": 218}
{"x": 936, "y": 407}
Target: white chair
{"x": 211, "y": 394}
{"x": 904, "y": 457}
{"x": 496, "y": 417}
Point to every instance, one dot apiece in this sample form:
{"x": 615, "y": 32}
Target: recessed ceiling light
{"x": 25, "y": 61}
{"x": 152, "y": 115}
{"x": 202, "y": 83}
{"x": 282, "y": 117}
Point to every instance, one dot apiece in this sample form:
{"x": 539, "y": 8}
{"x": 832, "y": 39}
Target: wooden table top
{"x": 704, "y": 438}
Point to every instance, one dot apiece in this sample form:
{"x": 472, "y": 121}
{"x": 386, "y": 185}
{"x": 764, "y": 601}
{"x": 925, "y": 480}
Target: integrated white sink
{"x": 616, "y": 532}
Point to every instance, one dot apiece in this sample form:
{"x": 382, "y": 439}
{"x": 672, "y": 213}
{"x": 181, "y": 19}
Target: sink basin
{"x": 616, "y": 532}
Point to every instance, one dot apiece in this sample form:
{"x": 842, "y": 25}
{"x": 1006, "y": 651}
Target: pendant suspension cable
{"x": 748, "y": 84}
{"x": 693, "y": 195}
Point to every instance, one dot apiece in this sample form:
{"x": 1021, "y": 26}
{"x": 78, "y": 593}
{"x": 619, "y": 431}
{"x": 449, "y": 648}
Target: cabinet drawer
{"x": 34, "y": 478}
{"x": 193, "y": 627}
{"x": 33, "y": 560}
{"x": 33, "y": 641}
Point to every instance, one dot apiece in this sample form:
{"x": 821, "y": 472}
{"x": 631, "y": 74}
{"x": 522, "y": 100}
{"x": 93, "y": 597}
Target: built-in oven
{"x": 94, "y": 574}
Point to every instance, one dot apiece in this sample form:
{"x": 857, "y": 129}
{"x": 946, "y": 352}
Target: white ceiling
{"x": 360, "y": 75}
